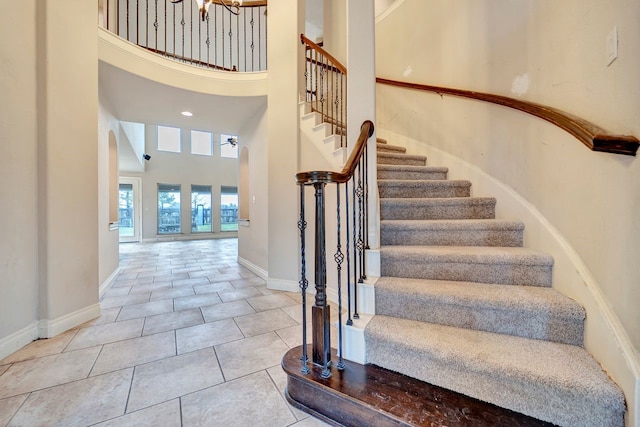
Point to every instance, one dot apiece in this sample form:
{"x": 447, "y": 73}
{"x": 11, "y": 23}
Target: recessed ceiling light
{"x": 187, "y": 113}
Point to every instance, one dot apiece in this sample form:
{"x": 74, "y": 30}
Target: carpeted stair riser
{"x": 443, "y": 208}
{"x": 505, "y": 266}
{"x": 459, "y": 232}
{"x": 524, "y": 311}
{"x": 407, "y": 172}
{"x": 401, "y": 159}
{"x": 423, "y": 188}
{"x": 390, "y": 148}
{"x": 558, "y": 383}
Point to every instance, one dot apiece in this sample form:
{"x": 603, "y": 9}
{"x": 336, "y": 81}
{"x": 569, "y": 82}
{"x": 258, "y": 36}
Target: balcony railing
{"x": 224, "y": 38}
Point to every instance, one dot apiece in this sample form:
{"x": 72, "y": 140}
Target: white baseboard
{"x": 50, "y": 328}
{"x": 106, "y": 285}
{"x": 263, "y": 274}
{"x": 283, "y": 285}
{"x": 18, "y": 339}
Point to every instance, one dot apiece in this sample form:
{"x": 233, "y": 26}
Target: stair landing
{"x": 373, "y": 396}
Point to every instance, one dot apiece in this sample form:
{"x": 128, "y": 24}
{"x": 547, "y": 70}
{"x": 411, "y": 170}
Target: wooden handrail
{"x": 305, "y": 41}
{"x": 313, "y": 177}
{"x": 594, "y": 137}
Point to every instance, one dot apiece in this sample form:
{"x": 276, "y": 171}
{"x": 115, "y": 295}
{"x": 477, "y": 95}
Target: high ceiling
{"x": 137, "y": 99}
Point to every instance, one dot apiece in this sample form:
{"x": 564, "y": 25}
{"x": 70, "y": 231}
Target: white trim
{"x": 283, "y": 285}
{"x": 51, "y": 328}
{"x": 104, "y": 287}
{"x": 18, "y": 339}
{"x": 263, "y": 274}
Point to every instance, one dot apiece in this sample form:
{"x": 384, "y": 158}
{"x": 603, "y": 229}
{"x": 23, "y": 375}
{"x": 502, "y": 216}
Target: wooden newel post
{"x": 321, "y": 350}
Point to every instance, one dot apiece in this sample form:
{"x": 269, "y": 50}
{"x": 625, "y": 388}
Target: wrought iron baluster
{"x": 146, "y": 24}
{"x": 365, "y": 218}
{"x": 174, "y": 29}
{"x": 253, "y": 54}
{"x": 138, "y": 22}
{"x": 347, "y": 231}
{"x": 304, "y": 283}
{"x": 208, "y": 41}
{"x": 182, "y": 23}
{"x": 237, "y": 42}
{"x": 339, "y": 258}
{"x": 230, "y": 42}
{"x": 355, "y": 251}
{"x": 128, "y": 20}
{"x": 155, "y": 25}
{"x": 360, "y": 192}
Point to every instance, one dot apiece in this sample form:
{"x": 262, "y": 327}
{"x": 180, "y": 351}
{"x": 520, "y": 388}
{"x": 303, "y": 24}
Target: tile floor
{"x": 187, "y": 337}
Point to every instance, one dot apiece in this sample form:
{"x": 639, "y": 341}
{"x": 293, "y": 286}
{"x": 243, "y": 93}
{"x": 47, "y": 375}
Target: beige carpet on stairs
{"x": 463, "y": 305}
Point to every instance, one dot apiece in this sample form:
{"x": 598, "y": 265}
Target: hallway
{"x": 187, "y": 337}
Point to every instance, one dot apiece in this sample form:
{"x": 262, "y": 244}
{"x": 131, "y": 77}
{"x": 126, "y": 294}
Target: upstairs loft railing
{"x": 351, "y": 243}
{"x": 226, "y": 37}
{"x": 326, "y": 87}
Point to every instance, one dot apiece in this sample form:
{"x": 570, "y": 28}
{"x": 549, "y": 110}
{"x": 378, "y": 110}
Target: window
{"x": 201, "y": 209}
{"x": 168, "y": 209}
{"x": 169, "y": 139}
{"x": 229, "y": 209}
{"x": 229, "y": 146}
{"x": 201, "y": 143}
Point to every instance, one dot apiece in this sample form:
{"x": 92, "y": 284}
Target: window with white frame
{"x": 169, "y": 217}
{"x": 201, "y": 143}
{"x": 169, "y": 139}
{"x": 229, "y": 209}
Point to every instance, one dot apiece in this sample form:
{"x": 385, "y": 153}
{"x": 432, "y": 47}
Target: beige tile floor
{"x": 187, "y": 337}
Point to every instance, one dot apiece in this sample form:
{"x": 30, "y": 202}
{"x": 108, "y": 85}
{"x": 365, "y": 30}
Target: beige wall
{"x": 282, "y": 136}
{"x": 67, "y": 125}
{"x": 18, "y": 170}
{"x": 49, "y": 113}
{"x": 253, "y": 237}
{"x": 585, "y": 204}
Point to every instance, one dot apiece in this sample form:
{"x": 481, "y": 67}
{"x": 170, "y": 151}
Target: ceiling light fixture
{"x": 187, "y": 113}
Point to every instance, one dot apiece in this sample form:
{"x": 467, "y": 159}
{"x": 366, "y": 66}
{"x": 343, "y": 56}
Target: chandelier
{"x": 203, "y": 6}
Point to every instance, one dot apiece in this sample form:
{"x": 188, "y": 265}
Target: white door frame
{"x": 136, "y": 182}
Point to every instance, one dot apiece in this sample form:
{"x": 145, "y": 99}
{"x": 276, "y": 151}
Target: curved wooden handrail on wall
{"x": 591, "y": 135}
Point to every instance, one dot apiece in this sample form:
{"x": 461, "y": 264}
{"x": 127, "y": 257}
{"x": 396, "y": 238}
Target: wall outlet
{"x": 612, "y": 46}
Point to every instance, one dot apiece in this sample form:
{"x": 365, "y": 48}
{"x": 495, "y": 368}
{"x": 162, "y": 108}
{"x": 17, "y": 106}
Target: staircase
{"x": 463, "y": 305}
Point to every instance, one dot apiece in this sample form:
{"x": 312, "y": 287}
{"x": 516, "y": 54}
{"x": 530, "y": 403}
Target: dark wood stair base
{"x": 367, "y": 395}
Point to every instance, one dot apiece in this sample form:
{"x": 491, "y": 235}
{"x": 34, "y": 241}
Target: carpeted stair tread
{"x": 401, "y": 159}
{"x": 555, "y": 382}
{"x": 438, "y": 208}
{"x": 501, "y": 265}
{"x": 526, "y": 311}
{"x": 388, "y": 148}
{"x": 455, "y": 232}
{"x": 395, "y": 188}
{"x": 411, "y": 172}
{"x": 381, "y": 140}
